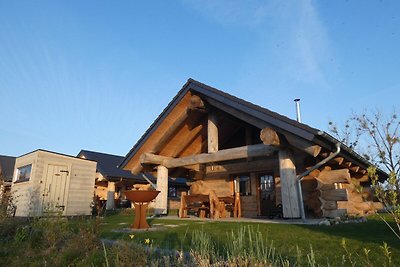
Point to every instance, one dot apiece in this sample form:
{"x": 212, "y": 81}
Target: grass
{"x": 58, "y": 241}
{"x": 325, "y": 241}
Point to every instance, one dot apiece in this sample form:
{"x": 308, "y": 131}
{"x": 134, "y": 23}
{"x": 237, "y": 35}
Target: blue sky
{"x": 95, "y": 74}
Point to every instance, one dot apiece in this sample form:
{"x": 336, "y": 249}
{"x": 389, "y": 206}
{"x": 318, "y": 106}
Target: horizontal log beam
{"x": 334, "y": 195}
{"x": 354, "y": 168}
{"x": 149, "y": 158}
{"x": 271, "y": 137}
{"x": 335, "y": 176}
{"x": 303, "y": 145}
{"x": 222, "y": 155}
{"x": 170, "y": 132}
{"x": 196, "y": 103}
{"x": 338, "y": 160}
{"x": 248, "y": 166}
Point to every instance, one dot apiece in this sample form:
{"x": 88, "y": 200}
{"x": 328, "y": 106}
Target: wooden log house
{"x": 234, "y": 146}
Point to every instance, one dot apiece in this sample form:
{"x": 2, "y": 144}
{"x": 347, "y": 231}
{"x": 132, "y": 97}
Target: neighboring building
{"x": 112, "y": 182}
{"x": 6, "y": 173}
{"x": 237, "y": 147}
{"x": 46, "y": 182}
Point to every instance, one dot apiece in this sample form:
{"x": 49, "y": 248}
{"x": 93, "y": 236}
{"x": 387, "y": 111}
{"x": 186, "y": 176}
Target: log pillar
{"x": 161, "y": 206}
{"x": 212, "y": 133}
{"x": 110, "y": 204}
{"x": 289, "y": 190}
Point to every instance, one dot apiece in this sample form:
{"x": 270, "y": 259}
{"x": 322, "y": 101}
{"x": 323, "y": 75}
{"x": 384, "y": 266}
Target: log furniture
{"x": 201, "y": 204}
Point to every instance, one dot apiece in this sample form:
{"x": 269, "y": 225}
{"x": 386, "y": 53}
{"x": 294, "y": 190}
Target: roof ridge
{"x": 243, "y": 101}
{"x": 91, "y": 151}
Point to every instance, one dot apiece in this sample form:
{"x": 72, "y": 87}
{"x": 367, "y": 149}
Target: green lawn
{"x": 324, "y": 240}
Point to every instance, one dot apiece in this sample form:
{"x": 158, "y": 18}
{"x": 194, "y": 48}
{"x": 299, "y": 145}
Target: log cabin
{"x": 111, "y": 182}
{"x": 234, "y": 146}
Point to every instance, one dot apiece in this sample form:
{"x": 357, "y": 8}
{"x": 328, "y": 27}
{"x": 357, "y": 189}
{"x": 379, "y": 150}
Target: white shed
{"x": 49, "y": 182}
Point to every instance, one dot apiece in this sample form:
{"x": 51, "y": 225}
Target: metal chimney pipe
{"x": 297, "y": 101}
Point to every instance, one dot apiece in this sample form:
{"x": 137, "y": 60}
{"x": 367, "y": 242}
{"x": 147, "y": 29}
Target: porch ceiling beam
{"x": 172, "y": 129}
{"x": 271, "y": 137}
{"x": 221, "y": 155}
{"x": 256, "y": 165}
{"x": 187, "y": 140}
{"x": 149, "y": 158}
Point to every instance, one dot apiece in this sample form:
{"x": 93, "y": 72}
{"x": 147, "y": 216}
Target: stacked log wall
{"x": 332, "y": 193}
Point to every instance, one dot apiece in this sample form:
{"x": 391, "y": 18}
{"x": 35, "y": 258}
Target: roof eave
{"x": 155, "y": 124}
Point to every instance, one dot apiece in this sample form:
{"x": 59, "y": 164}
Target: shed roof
{"x": 254, "y": 115}
{"x": 7, "y": 165}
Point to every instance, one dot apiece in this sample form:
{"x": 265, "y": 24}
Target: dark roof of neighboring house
{"x": 263, "y": 118}
{"x": 107, "y": 165}
{"x": 7, "y": 165}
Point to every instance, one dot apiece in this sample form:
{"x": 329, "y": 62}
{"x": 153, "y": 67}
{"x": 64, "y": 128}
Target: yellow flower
{"x": 147, "y": 241}
{"x": 132, "y": 236}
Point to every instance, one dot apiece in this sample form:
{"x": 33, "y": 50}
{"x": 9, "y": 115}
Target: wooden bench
{"x": 231, "y": 204}
{"x": 201, "y": 205}
{"x": 197, "y": 203}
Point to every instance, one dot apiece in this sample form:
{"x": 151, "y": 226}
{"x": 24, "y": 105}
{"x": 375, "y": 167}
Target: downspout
{"x": 301, "y": 176}
{"x": 148, "y": 180}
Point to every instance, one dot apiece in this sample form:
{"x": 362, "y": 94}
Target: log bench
{"x": 201, "y": 205}
{"x": 197, "y": 203}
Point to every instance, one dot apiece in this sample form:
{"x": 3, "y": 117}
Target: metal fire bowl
{"x": 141, "y": 196}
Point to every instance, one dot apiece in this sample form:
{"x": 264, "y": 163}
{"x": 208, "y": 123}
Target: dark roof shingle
{"x": 7, "y": 165}
{"x": 107, "y": 165}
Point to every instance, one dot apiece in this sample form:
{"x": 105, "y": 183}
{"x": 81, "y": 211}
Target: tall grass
{"x": 75, "y": 242}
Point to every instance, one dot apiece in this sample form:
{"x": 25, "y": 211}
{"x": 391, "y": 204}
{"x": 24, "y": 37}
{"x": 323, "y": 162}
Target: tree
{"x": 382, "y": 143}
{"x": 374, "y": 136}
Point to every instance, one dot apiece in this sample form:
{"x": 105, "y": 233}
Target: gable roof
{"x": 254, "y": 115}
{"x": 7, "y": 165}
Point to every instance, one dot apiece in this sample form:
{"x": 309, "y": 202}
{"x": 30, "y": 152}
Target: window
{"x": 24, "y": 173}
{"x": 267, "y": 183}
{"x": 172, "y": 191}
{"x": 242, "y": 184}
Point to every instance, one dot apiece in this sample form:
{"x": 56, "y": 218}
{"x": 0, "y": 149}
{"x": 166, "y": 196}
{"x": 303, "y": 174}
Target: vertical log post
{"x": 162, "y": 185}
{"x": 183, "y": 208}
{"x": 212, "y": 133}
{"x": 289, "y": 190}
{"x": 237, "y": 212}
{"x": 110, "y": 204}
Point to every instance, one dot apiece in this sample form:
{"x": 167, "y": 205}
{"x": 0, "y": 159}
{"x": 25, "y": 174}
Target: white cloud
{"x": 310, "y": 48}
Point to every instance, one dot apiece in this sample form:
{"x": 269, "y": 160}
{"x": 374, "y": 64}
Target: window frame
{"x": 176, "y": 191}
{"x": 18, "y": 178}
{"x": 237, "y": 181}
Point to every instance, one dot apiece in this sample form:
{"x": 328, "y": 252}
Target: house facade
{"x": 234, "y": 146}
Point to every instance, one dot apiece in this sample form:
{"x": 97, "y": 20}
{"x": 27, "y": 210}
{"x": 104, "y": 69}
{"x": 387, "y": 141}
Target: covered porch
{"x": 239, "y": 153}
